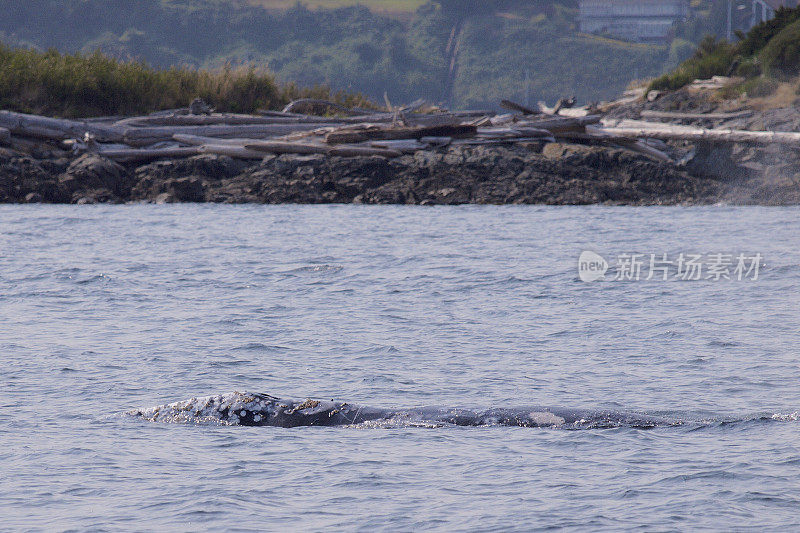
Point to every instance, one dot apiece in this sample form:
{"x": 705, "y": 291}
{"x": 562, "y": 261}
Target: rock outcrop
{"x": 554, "y": 173}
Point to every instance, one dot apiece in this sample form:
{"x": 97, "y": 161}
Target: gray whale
{"x": 252, "y": 409}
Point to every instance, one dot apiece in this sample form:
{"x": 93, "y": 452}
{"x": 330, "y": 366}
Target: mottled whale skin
{"x": 252, "y": 409}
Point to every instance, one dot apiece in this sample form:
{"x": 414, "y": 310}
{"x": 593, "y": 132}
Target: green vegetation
{"x": 526, "y": 50}
{"x": 461, "y": 54}
{"x": 768, "y": 54}
{"x": 77, "y": 86}
{"x": 713, "y": 57}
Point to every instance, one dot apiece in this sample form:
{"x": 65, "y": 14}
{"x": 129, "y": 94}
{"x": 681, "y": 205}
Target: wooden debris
{"x": 406, "y": 146}
{"x": 715, "y": 83}
{"x": 351, "y": 136}
{"x": 283, "y": 147}
{"x": 563, "y": 103}
{"x": 132, "y": 154}
{"x": 559, "y": 125}
{"x": 360, "y": 133}
{"x": 220, "y": 119}
{"x": 513, "y": 106}
{"x": 362, "y": 151}
{"x": 696, "y": 116}
{"x": 152, "y": 135}
{"x": 232, "y": 150}
{"x": 637, "y": 129}
{"x": 56, "y": 129}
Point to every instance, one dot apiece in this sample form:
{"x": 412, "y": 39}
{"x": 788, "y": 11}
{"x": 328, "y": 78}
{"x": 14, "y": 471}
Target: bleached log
{"x": 644, "y": 148}
{"x": 283, "y": 147}
{"x": 199, "y": 140}
{"x": 362, "y": 151}
{"x": 515, "y": 132}
{"x": 696, "y": 116}
{"x": 668, "y": 132}
{"x": 152, "y": 135}
{"x": 129, "y": 154}
{"x": 277, "y": 147}
{"x": 350, "y": 136}
{"x": 221, "y": 119}
{"x": 502, "y": 120}
{"x": 56, "y": 129}
{"x": 475, "y": 141}
{"x": 561, "y": 124}
{"x": 574, "y": 112}
{"x": 231, "y": 150}
{"x": 406, "y": 146}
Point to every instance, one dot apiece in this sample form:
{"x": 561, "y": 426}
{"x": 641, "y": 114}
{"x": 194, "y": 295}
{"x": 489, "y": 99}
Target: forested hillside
{"x": 460, "y": 53}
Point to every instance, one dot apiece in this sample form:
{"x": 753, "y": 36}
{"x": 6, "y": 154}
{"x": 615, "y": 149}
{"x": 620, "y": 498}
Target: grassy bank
{"x": 75, "y": 85}
{"x": 766, "y": 56}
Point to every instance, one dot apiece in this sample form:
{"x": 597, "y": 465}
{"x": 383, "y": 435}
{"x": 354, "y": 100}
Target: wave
{"x": 252, "y": 409}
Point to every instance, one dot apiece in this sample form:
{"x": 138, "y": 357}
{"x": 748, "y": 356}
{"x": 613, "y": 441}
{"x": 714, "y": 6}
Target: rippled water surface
{"x": 109, "y": 309}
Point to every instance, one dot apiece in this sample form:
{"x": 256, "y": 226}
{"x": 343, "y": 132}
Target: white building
{"x": 633, "y": 20}
{"x": 763, "y": 10}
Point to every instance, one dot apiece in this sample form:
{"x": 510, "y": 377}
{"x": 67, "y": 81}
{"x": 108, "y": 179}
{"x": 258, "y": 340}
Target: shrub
{"x": 759, "y": 87}
{"x": 713, "y": 57}
{"x": 75, "y": 85}
{"x": 758, "y": 37}
{"x": 781, "y": 56}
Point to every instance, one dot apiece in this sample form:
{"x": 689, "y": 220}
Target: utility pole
{"x": 730, "y": 20}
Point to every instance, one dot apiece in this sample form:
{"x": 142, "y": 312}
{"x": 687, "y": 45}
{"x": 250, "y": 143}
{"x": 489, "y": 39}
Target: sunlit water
{"x": 109, "y": 309}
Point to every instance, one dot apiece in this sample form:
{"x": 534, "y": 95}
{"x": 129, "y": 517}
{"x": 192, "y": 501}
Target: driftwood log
{"x": 56, "y": 129}
{"x": 220, "y": 119}
{"x": 696, "y": 116}
{"x": 276, "y": 147}
{"x": 513, "y": 106}
{"x": 385, "y": 134}
{"x": 231, "y": 150}
{"x": 152, "y": 135}
{"x": 284, "y": 147}
{"x": 638, "y": 129}
{"x": 558, "y": 125}
{"x": 362, "y": 151}
{"x": 132, "y": 154}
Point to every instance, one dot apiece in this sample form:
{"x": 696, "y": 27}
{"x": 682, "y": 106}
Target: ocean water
{"x": 110, "y": 309}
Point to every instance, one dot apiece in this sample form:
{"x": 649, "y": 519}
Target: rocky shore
{"x": 556, "y": 173}
{"x": 553, "y": 174}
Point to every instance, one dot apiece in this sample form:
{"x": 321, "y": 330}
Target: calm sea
{"x": 105, "y": 309}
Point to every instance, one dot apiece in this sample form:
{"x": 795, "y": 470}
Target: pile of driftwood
{"x": 352, "y": 133}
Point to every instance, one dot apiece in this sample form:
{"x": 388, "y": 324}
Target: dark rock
{"x": 91, "y": 171}
{"x": 187, "y": 189}
{"x": 716, "y": 161}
